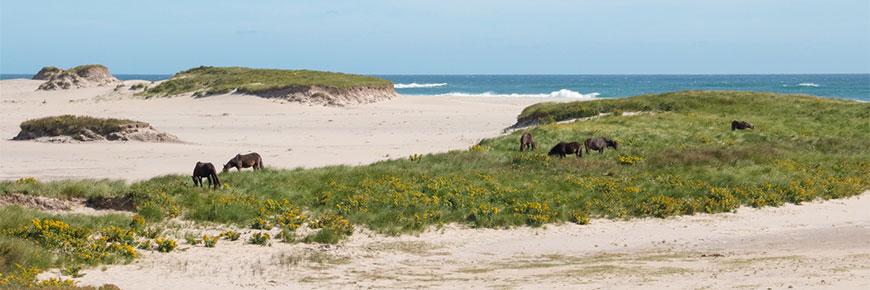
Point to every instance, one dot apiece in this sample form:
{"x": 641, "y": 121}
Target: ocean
{"x": 844, "y": 86}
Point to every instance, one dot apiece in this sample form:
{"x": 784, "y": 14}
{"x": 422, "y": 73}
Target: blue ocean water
{"x": 844, "y": 86}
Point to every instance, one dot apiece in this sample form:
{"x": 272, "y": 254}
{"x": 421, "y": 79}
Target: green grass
{"x": 206, "y": 80}
{"x": 68, "y": 125}
{"x": 18, "y": 251}
{"x": 79, "y": 70}
{"x": 50, "y": 69}
{"x": 65, "y": 189}
{"x": 803, "y": 148}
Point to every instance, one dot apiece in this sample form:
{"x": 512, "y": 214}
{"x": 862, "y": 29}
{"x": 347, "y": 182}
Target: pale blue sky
{"x": 441, "y": 37}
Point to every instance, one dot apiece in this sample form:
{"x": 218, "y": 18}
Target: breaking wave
{"x": 563, "y": 93}
{"x": 807, "y": 85}
{"x": 416, "y": 85}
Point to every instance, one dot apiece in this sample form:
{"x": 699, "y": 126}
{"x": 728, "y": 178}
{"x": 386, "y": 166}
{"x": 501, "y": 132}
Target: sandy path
{"x": 286, "y": 135}
{"x": 816, "y": 245}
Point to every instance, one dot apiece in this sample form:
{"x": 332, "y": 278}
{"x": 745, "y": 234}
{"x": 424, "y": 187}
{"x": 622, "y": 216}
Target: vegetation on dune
{"x": 721, "y": 103}
{"x": 679, "y": 157}
{"x": 206, "y": 80}
{"x": 69, "y": 125}
{"x": 79, "y": 70}
{"x": 50, "y": 69}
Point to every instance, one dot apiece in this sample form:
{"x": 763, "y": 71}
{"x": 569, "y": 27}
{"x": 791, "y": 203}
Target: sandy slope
{"x": 287, "y": 135}
{"x": 819, "y": 245}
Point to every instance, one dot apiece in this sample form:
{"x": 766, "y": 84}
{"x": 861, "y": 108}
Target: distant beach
{"x": 842, "y": 86}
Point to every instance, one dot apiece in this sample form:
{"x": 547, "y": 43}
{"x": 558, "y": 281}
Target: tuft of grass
{"x": 165, "y": 245}
{"x": 259, "y": 239}
{"x": 207, "y": 80}
{"x": 210, "y": 242}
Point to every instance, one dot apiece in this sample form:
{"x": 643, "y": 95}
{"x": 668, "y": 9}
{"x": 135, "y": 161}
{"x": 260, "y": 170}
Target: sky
{"x": 441, "y": 37}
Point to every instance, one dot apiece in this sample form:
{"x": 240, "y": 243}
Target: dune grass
{"x": 679, "y": 156}
{"x": 79, "y": 70}
{"x": 69, "y": 125}
{"x": 689, "y": 161}
{"x": 206, "y": 80}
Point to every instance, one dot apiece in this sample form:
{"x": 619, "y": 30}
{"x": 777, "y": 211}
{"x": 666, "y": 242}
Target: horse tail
{"x": 217, "y": 182}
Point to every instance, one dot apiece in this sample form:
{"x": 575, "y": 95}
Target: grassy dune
{"x": 206, "y": 80}
{"x": 71, "y": 125}
{"x": 678, "y": 156}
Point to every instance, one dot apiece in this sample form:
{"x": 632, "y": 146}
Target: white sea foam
{"x": 416, "y": 85}
{"x": 563, "y": 93}
{"x": 807, "y": 85}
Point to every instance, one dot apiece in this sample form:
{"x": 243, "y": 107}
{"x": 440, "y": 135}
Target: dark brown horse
{"x": 598, "y": 144}
{"x": 205, "y": 170}
{"x": 741, "y": 125}
{"x": 526, "y": 142}
{"x": 244, "y": 161}
{"x": 563, "y": 149}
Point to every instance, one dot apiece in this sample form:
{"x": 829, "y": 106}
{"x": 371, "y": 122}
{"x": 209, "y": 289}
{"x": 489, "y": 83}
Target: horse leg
{"x": 194, "y": 180}
{"x": 534, "y": 146}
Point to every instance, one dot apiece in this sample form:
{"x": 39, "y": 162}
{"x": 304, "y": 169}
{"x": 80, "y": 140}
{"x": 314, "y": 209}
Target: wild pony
{"x": 205, "y": 170}
{"x": 526, "y": 142}
{"x": 563, "y": 149}
{"x": 244, "y": 161}
{"x": 741, "y": 125}
{"x": 598, "y": 144}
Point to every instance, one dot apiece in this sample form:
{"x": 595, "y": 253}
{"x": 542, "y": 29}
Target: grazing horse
{"x": 741, "y": 125}
{"x": 598, "y": 144}
{"x": 205, "y": 170}
{"x": 244, "y": 161}
{"x": 563, "y": 149}
{"x": 526, "y": 142}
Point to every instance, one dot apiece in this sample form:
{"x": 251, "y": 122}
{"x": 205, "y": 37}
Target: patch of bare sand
{"x": 817, "y": 245}
{"x": 80, "y": 206}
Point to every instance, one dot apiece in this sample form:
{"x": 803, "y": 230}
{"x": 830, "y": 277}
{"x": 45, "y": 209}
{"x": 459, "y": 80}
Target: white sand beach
{"x": 216, "y": 128}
